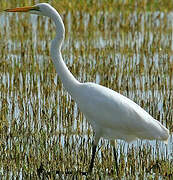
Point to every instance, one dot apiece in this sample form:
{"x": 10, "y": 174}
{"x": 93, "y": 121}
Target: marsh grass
{"x": 124, "y": 45}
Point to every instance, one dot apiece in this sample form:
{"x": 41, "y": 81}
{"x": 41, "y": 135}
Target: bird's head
{"x": 42, "y": 9}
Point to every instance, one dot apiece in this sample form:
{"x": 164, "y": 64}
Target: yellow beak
{"x": 21, "y": 9}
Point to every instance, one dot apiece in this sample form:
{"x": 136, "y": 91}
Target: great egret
{"x": 112, "y": 115}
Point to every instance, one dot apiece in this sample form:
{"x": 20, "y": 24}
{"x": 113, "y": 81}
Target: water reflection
{"x": 34, "y": 95}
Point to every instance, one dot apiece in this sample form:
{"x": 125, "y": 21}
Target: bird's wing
{"x": 108, "y": 109}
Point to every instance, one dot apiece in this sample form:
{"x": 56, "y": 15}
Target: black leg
{"x": 116, "y": 160}
{"x": 92, "y": 159}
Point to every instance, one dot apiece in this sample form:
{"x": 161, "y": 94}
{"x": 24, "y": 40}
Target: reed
{"x": 124, "y": 45}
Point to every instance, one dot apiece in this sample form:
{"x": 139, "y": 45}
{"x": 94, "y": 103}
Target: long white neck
{"x": 68, "y": 80}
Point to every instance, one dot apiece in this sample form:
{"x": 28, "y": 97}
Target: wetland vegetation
{"x": 125, "y": 45}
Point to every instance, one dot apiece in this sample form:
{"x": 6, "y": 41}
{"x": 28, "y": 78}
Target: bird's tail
{"x": 164, "y": 133}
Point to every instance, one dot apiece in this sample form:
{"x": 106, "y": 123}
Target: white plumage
{"x": 112, "y": 115}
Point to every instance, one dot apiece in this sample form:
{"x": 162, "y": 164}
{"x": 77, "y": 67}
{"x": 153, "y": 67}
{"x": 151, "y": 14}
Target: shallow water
{"x": 41, "y": 123}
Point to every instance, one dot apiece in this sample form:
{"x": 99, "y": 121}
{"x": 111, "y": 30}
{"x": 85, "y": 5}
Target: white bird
{"x": 112, "y": 115}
